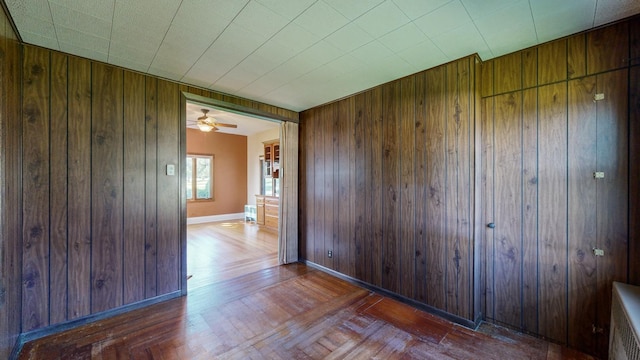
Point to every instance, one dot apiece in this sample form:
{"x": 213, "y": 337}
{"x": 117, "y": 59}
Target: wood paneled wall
{"x": 102, "y": 222}
{"x": 543, "y": 136}
{"x": 10, "y": 193}
{"x": 387, "y": 185}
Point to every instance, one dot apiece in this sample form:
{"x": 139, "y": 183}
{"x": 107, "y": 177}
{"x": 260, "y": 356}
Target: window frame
{"x": 194, "y": 184}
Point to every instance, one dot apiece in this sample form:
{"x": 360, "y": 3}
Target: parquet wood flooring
{"x": 287, "y": 312}
{"x": 224, "y": 250}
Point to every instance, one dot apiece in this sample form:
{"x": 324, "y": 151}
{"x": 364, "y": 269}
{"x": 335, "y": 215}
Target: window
{"x": 200, "y": 177}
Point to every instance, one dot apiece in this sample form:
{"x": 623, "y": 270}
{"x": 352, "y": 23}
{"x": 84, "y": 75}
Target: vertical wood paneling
{"x": 436, "y": 198}
{"x": 329, "y": 187}
{"x": 391, "y": 97}
{"x": 407, "y": 187}
{"x": 352, "y": 188}
{"x": 58, "y": 187}
{"x": 368, "y": 241}
{"x": 488, "y": 213}
{"x": 552, "y": 223}
{"x": 151, "y": 187}
{"x": 319, "y": 170}
{"x": 35, "y": 252}
{"x": 553, "y": 57}
{"x": 582, "y": 212}
{"x": 487, "y": 78}
{"x": 360, "y": 240}
{"x": 577, "y": 56}
{"x": 309, "y": 201}
{"x": 612, "y": 192}
{"x": 530, "y": 210}
{"x": 421, "y": 189}
{"x": 168, "y": 204}
{"x": 530, "y": 67}
{"x": 107, "y": 188}
{"x": 342, "y": 178}
{"x": 507, "y": 73}
{"x": 79, "y": 172}
{"x": 134, "y": 186}
{"x": 634, "y": 174}
{"x": 608, "y": 48}
{"x": 376, "y": 186}
{"x": 508, "y": 204}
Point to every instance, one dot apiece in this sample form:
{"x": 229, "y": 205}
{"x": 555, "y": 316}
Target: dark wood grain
{"x": 487, "y": 78}
{"x": 553, "y": 57}
{"x": 608, "y": 48}
{"x": 329, "y": 189}
{"x": 58, "y": 187}
{"x": 421, "y": 189}
{"x": 376, "y": 186}
{"x": 634, "y": 175}
{"x": 318, "y": 198}
{"x": 308, "y": 216}
{"x": 436, "y": 198}
{"x": 530, "y": 210}
{"x": 487, "y": 188}
{"x": 582, "y": 211}
{"x": 134, "y": 186}
{"x": 576, "y": 56}
{"x": 391, "y": 96}
{"x": 79, "y": 205}
{"x": 344, "y": 191}
{"x": 507, "y": 73}
{"x": 508, "y": 180}
{"x": 634, "y": 41}
{"x": 612, "y": 199}
{"x": 36, "y": 126}
{"x": 168, "y": 205}
{"x": 552, "y": 223}
{"x": 151, "y": 187}
{"x": 360, "y": 239}
{"x": 407, "y": 257}
{"x": 107, "y": 188}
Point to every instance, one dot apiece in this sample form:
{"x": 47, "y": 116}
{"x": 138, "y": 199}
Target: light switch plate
{"x": 171, "y": 169}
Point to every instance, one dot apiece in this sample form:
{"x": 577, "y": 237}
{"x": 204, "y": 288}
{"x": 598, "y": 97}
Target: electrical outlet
{"x": 330, "y": 253}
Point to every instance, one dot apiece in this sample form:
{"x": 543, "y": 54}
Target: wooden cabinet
{"x": 267, "y": 211}
{"x": 272, "y": 160}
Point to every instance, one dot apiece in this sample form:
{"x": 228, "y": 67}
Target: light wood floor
{"x": 224, "y": 250}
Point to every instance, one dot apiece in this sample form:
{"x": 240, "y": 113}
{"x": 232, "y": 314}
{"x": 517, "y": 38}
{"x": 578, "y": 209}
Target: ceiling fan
{"x": 206, "y": 123}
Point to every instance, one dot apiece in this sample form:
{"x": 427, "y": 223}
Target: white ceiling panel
{"x": 417, "y": 8}
{"x": 382, "y": 19}
{"x": 353, "y": 9}
{"x": 299, "y": 53}
{"x": 404, "y": 37}
{"x": 444, "y": 19}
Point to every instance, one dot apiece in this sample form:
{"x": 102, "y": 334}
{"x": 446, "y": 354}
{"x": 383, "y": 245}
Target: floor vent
{"x": 624, "y": 341}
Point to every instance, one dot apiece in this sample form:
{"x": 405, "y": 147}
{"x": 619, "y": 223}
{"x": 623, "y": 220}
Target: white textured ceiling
{"x": 299, "y": 53}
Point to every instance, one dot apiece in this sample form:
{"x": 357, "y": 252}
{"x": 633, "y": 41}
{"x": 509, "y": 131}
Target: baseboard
{"x": 427, "y": 308}
{"x": 68, "y": 325}
{"x": 213, "y": 218}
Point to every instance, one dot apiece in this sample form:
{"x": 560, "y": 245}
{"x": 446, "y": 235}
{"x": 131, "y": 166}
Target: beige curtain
{"x": 288, "y": 224}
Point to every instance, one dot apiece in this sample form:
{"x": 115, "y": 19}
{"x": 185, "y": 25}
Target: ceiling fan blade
{"x": 226, "y": 125}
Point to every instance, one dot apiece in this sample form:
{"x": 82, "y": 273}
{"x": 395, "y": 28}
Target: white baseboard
{"x": 212, "y": 218}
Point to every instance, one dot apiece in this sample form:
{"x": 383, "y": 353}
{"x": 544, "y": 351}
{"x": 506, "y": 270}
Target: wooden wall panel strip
{"x": 552, "y": 223}
{"x": 530, "y": 67}
{"x": 151, "y": 187}
{"x": 436, "y": 168}
{"x": 168, "y": 199}
{"x": 342, "y": 172}
{"x": 376, "y": 186}
{"x": 553, "y": 58}
{"x": 319, "y": 170}
{"x": 368, "y": 241}
{"x": 488, "y": 213}
{"x": 530, "y": 210}
{"x": 487, "y": 78}
{"x": 407, "y": 258}
{"x": 465, "y": 185}
{"x": 634, "y": 41}
{"x": 330, "y": 186}
{"x": 421, "y": 189}
{"x": 507, "y": 74}
{"x": 391, "y": 94}
{"x": 79, "y": 172}
{"x": 309, "y": 200}
{"x": 134, "y": 186}
{"x": 608, "y": 48}
{"x": 58, "y": 188}
{"x": 612, "y": 193}
{"x": 36, "y": 127}
{"x": 507, "y": 272}
{"x": 576, "y": 56}
{"x": 634, "y": 175}
{"x": 107, "y": 188}
{"x": 582, "y": 212}
{"x": 358, "y": 196}
{"x": 352, "y": 188}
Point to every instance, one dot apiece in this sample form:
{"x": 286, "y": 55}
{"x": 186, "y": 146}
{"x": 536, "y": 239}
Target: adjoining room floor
{"x": 223, "y": 250}
{"x": 287, "y": 312}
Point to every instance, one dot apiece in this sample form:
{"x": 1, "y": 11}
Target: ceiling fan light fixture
{"x": 204, "y": 126}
